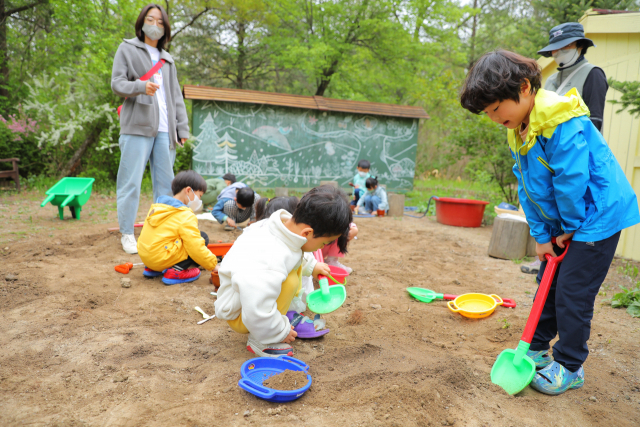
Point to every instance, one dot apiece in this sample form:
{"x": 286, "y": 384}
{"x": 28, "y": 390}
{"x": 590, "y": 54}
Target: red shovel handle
{"x": 541, "y": 295}
{"x": 449, "y": 297}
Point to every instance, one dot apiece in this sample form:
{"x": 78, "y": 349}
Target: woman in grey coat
{"x": 153, "y": 117}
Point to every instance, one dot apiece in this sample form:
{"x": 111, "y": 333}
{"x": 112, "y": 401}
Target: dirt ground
{"x": 78, "y": 349}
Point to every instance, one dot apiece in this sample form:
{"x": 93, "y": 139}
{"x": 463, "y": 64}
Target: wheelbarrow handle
{"x": 541, "y": 295}
{"x": 67, "y": 200}
{"x": 49, "y": 198}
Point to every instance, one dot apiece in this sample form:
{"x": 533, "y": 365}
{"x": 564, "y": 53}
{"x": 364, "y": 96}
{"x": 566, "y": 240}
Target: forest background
{"x": 58, "y": 111}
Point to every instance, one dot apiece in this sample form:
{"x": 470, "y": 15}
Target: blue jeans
{"x": 371, "y": 203}
{"x": 135, "y": 152}
{"x": 218, "y": 210}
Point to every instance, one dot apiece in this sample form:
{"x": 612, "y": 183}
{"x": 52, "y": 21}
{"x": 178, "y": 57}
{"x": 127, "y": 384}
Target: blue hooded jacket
{"x": 568, "y": 178}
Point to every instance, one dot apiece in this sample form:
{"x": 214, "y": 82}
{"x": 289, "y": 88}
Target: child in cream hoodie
{"x": 262, "y": 272}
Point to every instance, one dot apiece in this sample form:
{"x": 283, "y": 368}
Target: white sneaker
{"x": 269, "y": 350}
{"x": 332, "y": 260}
{"x": 129, "y": 244}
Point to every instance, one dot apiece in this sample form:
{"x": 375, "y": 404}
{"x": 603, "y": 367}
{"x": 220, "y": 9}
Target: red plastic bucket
{"x": 459, "y": 212}
{"x": 340, "y": 274}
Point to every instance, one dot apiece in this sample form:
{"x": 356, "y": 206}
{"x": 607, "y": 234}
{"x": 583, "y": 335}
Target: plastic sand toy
{"x": 475, "y": 306}
{"x": 427, "y": 295}
{"x": 72, "y": 192}
{"x": 513, "y": 369}
{"x": 327, "y": 298}
{"x": 256, "y": 371}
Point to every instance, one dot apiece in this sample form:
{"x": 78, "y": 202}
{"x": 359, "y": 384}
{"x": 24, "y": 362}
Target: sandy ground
{"x": 77, "y": 349}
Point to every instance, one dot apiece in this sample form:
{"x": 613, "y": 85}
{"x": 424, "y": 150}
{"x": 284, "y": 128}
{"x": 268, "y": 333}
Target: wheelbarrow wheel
{"x": 73, "y": 212}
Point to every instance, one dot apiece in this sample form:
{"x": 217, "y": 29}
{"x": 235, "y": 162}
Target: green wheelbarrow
{"x": 72, "y": 192}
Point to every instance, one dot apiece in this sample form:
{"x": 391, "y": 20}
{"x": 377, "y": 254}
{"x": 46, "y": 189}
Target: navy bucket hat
{"x": 562, "y": 35}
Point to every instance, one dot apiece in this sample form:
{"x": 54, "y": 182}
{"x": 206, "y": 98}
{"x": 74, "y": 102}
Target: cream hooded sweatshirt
{"x": 251, "y": 276}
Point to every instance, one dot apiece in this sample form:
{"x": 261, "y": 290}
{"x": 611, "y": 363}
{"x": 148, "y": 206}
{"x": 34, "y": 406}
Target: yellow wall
{"x": 617, "y": 52}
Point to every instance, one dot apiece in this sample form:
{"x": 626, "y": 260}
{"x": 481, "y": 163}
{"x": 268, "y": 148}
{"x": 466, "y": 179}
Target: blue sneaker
{"x": 540, "y": 358}
{"x": 151, "y": 273}
{"x": 556, "y": 379}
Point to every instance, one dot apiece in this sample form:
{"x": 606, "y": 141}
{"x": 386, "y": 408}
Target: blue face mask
{"x": 362, "y": 174}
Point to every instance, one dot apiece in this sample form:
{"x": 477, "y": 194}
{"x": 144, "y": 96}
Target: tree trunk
{"x": 74, "y": 162}
{"x": 326, "y": 78}
{"x": 4, "y": 60}
{"x": 241, "y": 33}
{"x": 472, "y": 55}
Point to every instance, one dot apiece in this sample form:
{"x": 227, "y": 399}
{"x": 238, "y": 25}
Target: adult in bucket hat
{"x": 567, "y": 46}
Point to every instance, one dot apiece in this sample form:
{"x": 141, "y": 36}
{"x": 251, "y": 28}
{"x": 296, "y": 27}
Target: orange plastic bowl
{"x": 219, "y": 249}
{"x": 338, "y": 273}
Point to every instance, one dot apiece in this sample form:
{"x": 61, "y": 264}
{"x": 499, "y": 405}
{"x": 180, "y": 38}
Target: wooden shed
{"x": 616, "y": 35}
{"x": 280, "y": 140}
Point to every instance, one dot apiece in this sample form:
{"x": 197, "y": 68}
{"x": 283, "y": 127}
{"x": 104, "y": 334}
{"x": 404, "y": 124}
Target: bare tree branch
{"x": 25, "y": 7}
{"x": 194, "y": 19}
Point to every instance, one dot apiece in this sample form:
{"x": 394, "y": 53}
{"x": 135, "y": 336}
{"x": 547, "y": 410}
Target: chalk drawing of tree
{"x": 227, "y": 152}
{"x": 207, "y": 151}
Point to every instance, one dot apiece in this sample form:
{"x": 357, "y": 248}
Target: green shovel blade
{"x": 327, "y": 298}
{"x": 424, "y": 295}
{"x": 513, "y": 369}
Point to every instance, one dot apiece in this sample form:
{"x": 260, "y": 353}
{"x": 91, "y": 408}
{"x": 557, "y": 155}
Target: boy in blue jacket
{"x": 571, "y": 187}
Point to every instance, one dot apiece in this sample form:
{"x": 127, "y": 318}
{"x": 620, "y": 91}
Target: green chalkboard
{"x": 268, "y": 146}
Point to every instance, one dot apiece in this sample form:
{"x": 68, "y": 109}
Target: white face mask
{"x": 153, "y": 31}
{"x": 566, "y": 57}
{"x": 196, "y": 204}
{"x": 362, "y": 174}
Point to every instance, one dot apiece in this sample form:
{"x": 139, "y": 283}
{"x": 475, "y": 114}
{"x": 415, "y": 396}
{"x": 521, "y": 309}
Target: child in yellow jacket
{"x": 170, "y": 242}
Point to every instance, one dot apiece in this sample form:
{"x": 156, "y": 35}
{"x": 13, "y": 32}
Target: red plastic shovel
{"x": 513, "y": 369}
{"x": 126, "y": 267}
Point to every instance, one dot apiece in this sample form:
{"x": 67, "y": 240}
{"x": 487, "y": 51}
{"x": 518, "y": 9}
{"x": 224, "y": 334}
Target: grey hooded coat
{"x": 140, "y": 113}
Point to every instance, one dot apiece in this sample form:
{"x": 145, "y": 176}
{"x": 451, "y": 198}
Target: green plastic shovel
{"x": 327, "y": 298}
{"x": 513, "y": 370}
{"x": 427, "y": 295}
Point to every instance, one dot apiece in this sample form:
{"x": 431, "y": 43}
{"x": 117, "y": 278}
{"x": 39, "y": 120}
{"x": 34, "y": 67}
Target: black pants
{"x": 187, "y": 263}
{"x": 569, "y": 307}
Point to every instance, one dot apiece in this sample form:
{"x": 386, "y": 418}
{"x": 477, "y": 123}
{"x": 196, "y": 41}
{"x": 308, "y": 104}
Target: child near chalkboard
{"x": 359, "y": 180}
{"x": 374, "y": 199}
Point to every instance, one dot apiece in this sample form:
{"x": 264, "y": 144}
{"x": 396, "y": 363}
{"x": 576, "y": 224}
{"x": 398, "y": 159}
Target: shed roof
{"x": 299, "y": 101}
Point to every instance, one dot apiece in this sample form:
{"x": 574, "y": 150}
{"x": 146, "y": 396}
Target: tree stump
{"x": 509, "y": 239}
{"x": 282, "y": 192}
{"x": 531, "y": 246}
{"x": 334, "y": 183}
{"x": 396, "y": 205}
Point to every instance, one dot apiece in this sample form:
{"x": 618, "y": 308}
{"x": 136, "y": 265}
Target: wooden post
{"x": 334, "y": 183}
{"x": 282, "y": 192}
{"x": 531, "y": 246}
{"x": 508, "y": 239}
{"x": 396, "y": 205}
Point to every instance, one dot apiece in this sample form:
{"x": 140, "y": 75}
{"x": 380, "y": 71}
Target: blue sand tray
{"x": 255, "y": 371}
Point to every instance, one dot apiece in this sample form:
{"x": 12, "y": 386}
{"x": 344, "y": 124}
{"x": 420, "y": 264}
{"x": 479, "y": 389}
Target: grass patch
{"x": 463, "y": 189}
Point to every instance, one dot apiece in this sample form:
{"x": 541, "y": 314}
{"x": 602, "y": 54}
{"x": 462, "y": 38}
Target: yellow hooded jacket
{"x": 170, "y": 234}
